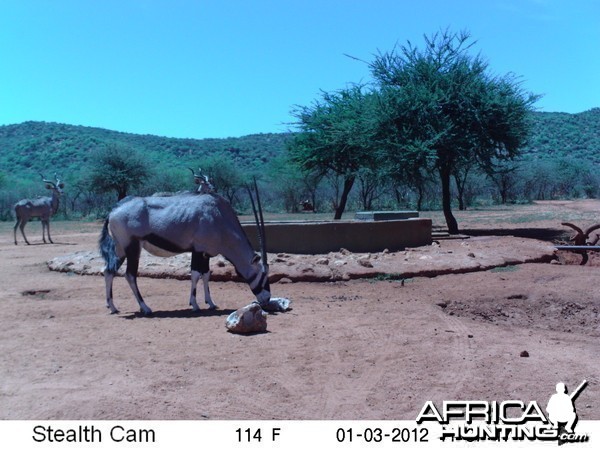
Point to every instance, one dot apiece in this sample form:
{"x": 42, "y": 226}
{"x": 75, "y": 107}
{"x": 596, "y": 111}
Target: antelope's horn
{"x": 592, "y": 228}
{"x": 47, "y": 181}
{"x": 263, "y": 240}
{"x": 259, "y": 221}
{"x": 570, "y": 225}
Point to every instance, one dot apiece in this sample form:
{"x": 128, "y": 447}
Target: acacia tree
{"x": 449, "y": 110}
{"x": 225, "y": 175}
{"x": 117, "y": 168}
{"x": 504, "y": 177}
{"x": 336, "y": 137}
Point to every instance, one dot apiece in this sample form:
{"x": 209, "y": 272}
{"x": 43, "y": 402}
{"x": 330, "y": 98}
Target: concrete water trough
{"x": 360, "y": 236}
{"x": 385, "y": 215}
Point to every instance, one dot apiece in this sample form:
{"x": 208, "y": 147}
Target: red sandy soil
{"x": 350, "y": 347}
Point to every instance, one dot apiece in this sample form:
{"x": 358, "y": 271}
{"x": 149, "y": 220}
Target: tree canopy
{"x": 117, "y": 168}
{"x": 337, "y": 135}
{"x": 444, "y": 109}
{"x": 432, "y": 110}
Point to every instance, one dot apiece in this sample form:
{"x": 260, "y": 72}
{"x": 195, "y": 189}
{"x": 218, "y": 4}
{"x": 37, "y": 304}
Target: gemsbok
{"x": 42, "y": 207}
{"x": 205, "y": 225}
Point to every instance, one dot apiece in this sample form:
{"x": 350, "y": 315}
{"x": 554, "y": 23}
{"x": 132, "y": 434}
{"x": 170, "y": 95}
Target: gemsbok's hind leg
{"x": 200, "y": 269}
{"x": 108, "y": 280}
{"x": 132, "y": 253}
{"x": 109, "y": 277}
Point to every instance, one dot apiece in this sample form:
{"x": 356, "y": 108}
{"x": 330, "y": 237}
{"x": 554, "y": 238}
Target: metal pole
{"x": 578, "y": 247}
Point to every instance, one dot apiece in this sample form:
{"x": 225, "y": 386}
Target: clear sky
{"x": 204, "y": 68}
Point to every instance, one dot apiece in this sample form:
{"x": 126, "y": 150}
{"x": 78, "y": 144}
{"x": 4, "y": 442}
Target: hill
{"x": 562, "y": 135}
{"x": 43, "y": 146}
{"x": 559, "y": 162}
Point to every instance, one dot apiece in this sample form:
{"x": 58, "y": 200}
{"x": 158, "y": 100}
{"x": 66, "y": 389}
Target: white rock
{"x": 249, "y": 319}
{"x": 277, "y": 304}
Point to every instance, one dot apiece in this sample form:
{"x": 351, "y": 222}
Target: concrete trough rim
{"x": 302, "y": 237}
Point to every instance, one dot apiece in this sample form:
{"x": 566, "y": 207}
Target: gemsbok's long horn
{"x": 260, "y": 222}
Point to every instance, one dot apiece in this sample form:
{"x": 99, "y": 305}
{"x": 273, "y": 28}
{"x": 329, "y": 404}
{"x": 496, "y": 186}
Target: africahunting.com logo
{"x": 511, "y": 420}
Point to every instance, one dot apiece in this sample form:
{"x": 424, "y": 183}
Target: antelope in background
{"x": 42, "y": 207}
{"x": 205, "y": 225}
{"x": 204, "y": 185}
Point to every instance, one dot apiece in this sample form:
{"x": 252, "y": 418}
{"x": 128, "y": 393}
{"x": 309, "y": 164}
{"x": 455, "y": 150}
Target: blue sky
{"x": 204, "y": 68}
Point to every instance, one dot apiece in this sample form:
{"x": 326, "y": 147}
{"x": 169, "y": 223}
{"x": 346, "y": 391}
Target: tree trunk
{"x": 445, "y": 172}
{"x": 504, "y": 192}
{"x": 348, "y": 183}
{"x": 460, "y": 190}
{"x": 420, "y": 195}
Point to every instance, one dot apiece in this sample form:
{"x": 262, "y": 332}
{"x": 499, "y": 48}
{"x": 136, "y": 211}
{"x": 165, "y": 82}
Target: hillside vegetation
{"x": 560, "y": 160}
{"x": 43, "y": 146}
{"x": 562, "y": 135}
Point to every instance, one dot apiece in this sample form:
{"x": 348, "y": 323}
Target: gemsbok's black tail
{"x": 107, "y": 250}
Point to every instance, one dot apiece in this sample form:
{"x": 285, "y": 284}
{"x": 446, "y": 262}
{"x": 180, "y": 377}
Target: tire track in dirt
{"x": 351, "y": 393}
{"x": 463, "y": 353}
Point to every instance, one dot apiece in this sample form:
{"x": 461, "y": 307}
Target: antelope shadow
{"x": 179, "y": 314}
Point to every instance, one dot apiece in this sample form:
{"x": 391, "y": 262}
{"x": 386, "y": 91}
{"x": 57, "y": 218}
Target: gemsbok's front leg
{"x": 200, "y": 269}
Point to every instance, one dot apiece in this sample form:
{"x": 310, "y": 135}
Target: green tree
{"x": 449, "y": 110}
{"x": 117, "y": 168}
{"x": 336, "y": 137}
{"x": 505, "y": 177}
{"x": 225, "y": 175}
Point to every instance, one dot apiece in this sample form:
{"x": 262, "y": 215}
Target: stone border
{"x": 440, "y": 258}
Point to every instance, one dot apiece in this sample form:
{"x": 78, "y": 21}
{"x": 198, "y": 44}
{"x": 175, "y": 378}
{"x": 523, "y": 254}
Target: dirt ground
{"x": 374, "y": 348}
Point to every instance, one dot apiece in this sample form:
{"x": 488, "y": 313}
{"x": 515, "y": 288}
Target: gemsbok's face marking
{"x": 259, "y": 282}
